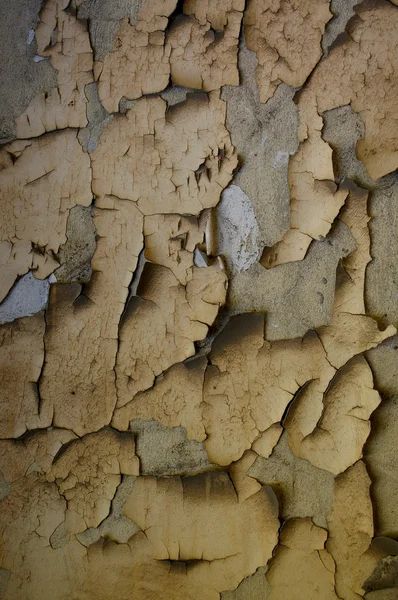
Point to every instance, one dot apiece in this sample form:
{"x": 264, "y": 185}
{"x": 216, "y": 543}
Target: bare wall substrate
{"x": 199, "y": 300}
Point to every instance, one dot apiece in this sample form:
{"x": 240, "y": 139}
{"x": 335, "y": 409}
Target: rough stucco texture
{"x": 199, "y": 300}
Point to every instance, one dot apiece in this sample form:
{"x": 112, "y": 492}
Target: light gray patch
{"x": 342, "y": 129}
{"x": 89, "y": 536}
{"x": 381, "y": 457}
{"x": 122, "y": 493}
{"x": 104, "y": 20}
{"x": 381, "y": 283}
{"x": 254, "y": 587}
{"x": 294, "y": 296}
{"x": 302, "y": 489}
{"x": 200, "y": 259}
{"x": 259, "y": 132}
{"x": 281, "y": 159}
{"x": 28, "y": 297}
{"x": 165, "y": 451}
{"x": 31, "y": 36}
{"x": 238, "y": 232}
{"x": 38, "y": 58}
{"x": 116, "y": 527}
{"x": 97, "y": 117}
{"x": 342, "y": 10}
{"x": 22, "y": 78}
{"x": 59, "y": 537}
{"x": 383, "y": 361}
{"x": 125, "y": 104}
{"x": 175, "y": 94}
{"x": 76, "y": 254}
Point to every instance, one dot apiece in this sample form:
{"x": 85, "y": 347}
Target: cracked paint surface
{"x": 200, "y": 402}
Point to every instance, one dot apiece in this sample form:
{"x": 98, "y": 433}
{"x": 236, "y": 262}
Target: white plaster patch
{"x": 238, "y": 232}
{"x": 28, "y": 296}
{"x": 30, "y": 38}
{"x": 281, "y": 159}
{"x": 199, "y": 258}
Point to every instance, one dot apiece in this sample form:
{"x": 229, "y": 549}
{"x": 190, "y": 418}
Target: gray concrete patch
{"x": 265, "y": 135}
{"x": 238, "y": 232}
{"x": 165, "y": 451}
{"x": 28, "y": 297}
{"x": 23, "y": 76}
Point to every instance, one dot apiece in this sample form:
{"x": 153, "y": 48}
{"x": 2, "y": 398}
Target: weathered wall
{"x": 199, "y": 300}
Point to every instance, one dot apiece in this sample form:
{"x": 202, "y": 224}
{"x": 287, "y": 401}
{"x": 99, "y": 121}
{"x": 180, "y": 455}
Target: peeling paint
{"x": 198, "y": 326}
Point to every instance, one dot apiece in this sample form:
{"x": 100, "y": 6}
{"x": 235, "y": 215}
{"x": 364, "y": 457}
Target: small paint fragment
{"x": 31, "y": 36}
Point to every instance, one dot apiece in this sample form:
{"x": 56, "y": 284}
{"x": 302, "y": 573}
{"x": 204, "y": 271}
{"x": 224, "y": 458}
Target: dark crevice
{"x": 177, "y": 13}
{"x": 39, "y": 379}
{"x": 293, "y": 399}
